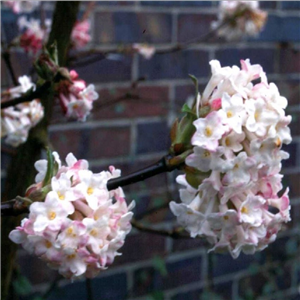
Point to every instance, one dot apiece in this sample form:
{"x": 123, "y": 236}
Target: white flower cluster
{"x": 19, "y": 7}
{"x": 239, "y": 18}
{"x": 16, "y": 121}
{"x": 80, "y": 225}
{"x": 77, "y": 99}
{"x": 237, "y": 148}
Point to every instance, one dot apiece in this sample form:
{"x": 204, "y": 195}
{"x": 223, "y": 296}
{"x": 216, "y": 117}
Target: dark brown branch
{"x": 15, "y": 207}
{"x": 160, "y": 167}
{"x": 19, "y": 205}
{"x": 174, "y": 233}
{"x": 39, "y": 92}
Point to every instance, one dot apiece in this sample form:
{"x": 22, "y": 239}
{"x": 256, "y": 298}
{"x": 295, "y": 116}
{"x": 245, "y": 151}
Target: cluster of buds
{"x": 75, "y": 224}
{"x": 16, "y": 121}
{"x": 239, "y": 18}
{"x": 31, "y": 40}
{"x": 80, "y": 34}
{"x": 232, "y": 177}
{"x": 75, "y": 97}
{"x": 33, "y": 36}
{"x": 19, "y": 7}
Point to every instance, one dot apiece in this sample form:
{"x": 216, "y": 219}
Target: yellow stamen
{"x": 278, "y": 142}
{"x": 208, "y": 131}
{"x": 206, "y": 153}
{"x": 52, "y": 215}
{"x": 229, "y": 114}
{"x": 60, "y": 196}
{"x": 256, "y": 116}
{"x": 189, "y": 213}
{"x": 227, "y": 142}
{"x": 48, "y": 244}
{"x": 93, "y": 232}
{"x": 226, "y": 217}
{"x": 71, "y": 256}
{"x": 69, "y": 231}
{"x": 244, "y": 210}
{"x": 90, "y": 191}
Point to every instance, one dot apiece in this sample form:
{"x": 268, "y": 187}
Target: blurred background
{"x": 129, "y": 128}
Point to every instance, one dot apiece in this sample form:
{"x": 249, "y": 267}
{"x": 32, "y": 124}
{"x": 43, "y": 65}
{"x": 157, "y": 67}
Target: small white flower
{"x": 209, "y": 130}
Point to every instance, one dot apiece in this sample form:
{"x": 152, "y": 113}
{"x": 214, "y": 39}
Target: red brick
{"x": 295, "y": 215}
{"x": 141, "y": 246}
{"x": 289, "y": 61}
{"x": 95, "y": 143}
{"x": 108, "y": 142}
{"x": 180, "y": 245}
{"x": 5, "y": 78}
{"x": 145, "y": 102}
{"x": 132, "y": 27}
{"x": 67, "y": 141}
{"x": 35, "y": 269}
{"x": 21, "y": 63}
{"x": 193, "y": 26}
{"x": 179, "y": 273}
{"x": 294, "y": 125}
{"x": 291, "y": 90}
{"x": 292, "y": 181}
{"x": 182, "y": 93}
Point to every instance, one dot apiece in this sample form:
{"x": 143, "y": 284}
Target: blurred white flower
{"x": 238, "y": 19}
{"x": 144, "y": 50}
{"x": 19, "y": 7}
{"x": 16, "y": 121}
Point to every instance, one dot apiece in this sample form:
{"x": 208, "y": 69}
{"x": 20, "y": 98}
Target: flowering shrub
{"x": 31, "y": 40}
{"x": 76, "y": 98}
{"x": 239, "y": 18}
{"x": 17, "y": 120}
{"x": 80, "y": 34}
{"x": 144, "y": 50}
{"x": 232, "y": 179}
{"x": 75, "y": 224}
{"x": 19, "y": 7}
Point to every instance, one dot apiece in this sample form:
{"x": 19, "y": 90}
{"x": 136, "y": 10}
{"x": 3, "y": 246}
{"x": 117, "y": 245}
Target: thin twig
{"x": 175, "y": 233}
{"x": 160, "y": 167}
{"x": 27, "y": 97}
{"x": 89, "y": 290}
{"x": 100, "y": 54}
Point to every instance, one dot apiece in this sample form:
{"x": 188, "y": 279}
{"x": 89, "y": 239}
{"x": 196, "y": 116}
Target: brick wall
{"x": 133, "y": 133}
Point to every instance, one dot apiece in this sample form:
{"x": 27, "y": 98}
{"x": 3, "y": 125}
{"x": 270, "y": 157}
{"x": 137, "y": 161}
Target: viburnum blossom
{"x": 79, "y": 225}
{"x": 80, "y": 34}
{"x": 19, "y": 7}
{"x": 31, "y": 40}
{"x": 16, "y": 121}
{"x": 76, "y": 99}
{"x": 239, "y": 18}
{"x": 145, "y": 50}
{"x": 237, "y": 150}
